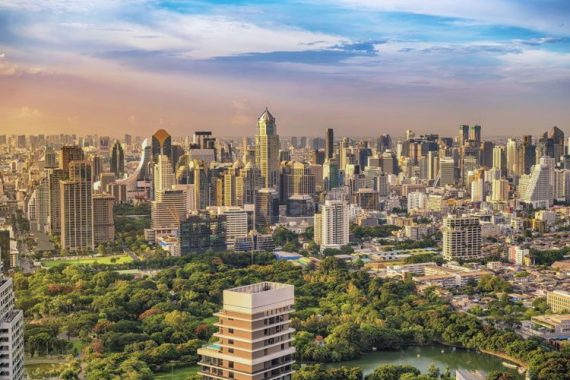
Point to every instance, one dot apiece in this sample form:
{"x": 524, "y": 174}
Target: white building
{"x": 334, "y": 219}
{"x": 538, "y": 192}
{"x": 11, "y": 334}
{"x": 417, "y": 200}
{"x": 461, "y": 237}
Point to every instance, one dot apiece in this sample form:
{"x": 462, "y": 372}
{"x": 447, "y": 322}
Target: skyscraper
{"x": 70, "y": 153}
{"x": 163, "y": 177}
{"x": 162, "y": 145}
{"x": 103, "y": 222}
{"x": 334, "y": 229}
{"x": 512, "y": 157}
{"x": 254, "y": 337}
{"x": 500, "y": 159}
{"x": 267, "y": 149}
{"x": 296, "y": 178}
{"x": 329, "y": 146}
{"x": 11, "y": 333}
{"x": 118, "y": 160}
{"x": 77, "y": 208}
{"x": 266, "y": 207}
{"x": 461, "y": 237}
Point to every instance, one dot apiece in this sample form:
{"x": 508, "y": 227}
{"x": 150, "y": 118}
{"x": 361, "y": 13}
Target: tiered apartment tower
{"x": 255, "y": 337}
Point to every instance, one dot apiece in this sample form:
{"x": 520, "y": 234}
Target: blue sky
{"x": 363, "y": 67}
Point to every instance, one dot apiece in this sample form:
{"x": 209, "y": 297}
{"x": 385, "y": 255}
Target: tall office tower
{"x": 331, "y": 175}
{"x": 383, "y": 185}
{"x": 461, "y": 237}
{"x": 247, "y": 184}
{"x": 475, "y": 133}
{"x": 204, "y": 191}
{"x": 230, "y": 183}
{"x": 343, "y": 153}
{"x": 478, "y": 189}
{"x": 55, "y": 176}
{"x": 103, "y": 221}
{"x": 470, "y": 165}
{"x": 11, "y": 333}
{"x": 169, "y": 208}
{"x": 363, "y": 154}
{"x": 163, "y": 177}
{"x": 551, "y": 144}
{"x": 335, "y": 224}
{"x": 410, "y": 134}
{"x": 512, "y": 157}
{"x": 500, "y": 190}
{"x": 527, "y": 155}
{"x": 318, "y": 157}
{"x": 538, "y": 192}
{"x": 77, "y": 208}
{"x": 42, "y": 209}
{"x": 104, "y": 144}
{"x": 70, "y": 153}
{"x": 432, "y": 165}
{"x": 486, "y": 154}
{"x": 162, "y": 145}
{"x": 236, "y": 224}
{"x": 128, "y": 139}
{"x": 383, "y": 143}
{"x": 267, "y": 149}
{"x": 255, "y": 338}
{"x": 500, "y": 159}
{"x": 118, "y": 160}
{"x": 463, "y": 134}
{"x": 266, "y": 207}
{"x": 561, "y": 184}
{"x": 96, "y": 167}
{"x": 329, "y": 145}
{"x": 296, "y": 178}
{"x": 50, "y": 158}
{"x": 389, "y": 162}
{"x": 447, "y": 171}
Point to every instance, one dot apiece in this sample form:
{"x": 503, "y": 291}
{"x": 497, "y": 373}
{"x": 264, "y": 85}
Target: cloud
{"x": 549, "y": 16}
{"x": 27, "y": 112}
{"x": 8, "y": 68}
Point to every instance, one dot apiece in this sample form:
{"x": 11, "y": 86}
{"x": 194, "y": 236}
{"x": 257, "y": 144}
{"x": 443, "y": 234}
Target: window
{"x": 230, "y": 341}
{"x": 231, "y": 331}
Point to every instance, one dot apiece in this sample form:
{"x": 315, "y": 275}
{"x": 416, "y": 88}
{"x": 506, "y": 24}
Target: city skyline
{"x": 365, "y": 66}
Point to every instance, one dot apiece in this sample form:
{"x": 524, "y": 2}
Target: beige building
{"x": 254, "y": 337}
{"x": 77, "y": 208}
{"x": 267, "y": 149}
{"x": 461, "y": 237}
{"x": 103, "y": 222}
{"x": 558, "y": 300}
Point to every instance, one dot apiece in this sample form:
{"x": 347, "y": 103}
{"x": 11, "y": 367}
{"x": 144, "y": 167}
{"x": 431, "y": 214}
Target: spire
{"x": 266, "y": 116}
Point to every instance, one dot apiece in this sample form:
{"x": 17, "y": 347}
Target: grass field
{"x": 177, "y": 374}
{"x": 105, "y": 260}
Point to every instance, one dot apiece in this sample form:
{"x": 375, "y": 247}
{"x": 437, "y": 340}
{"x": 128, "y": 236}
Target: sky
{"x": 362, "y": 67}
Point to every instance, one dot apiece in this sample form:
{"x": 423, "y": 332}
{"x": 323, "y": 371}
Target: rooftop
{"x": 259, "y": 287}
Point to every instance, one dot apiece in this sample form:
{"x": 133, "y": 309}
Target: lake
{"x": 423, "y": 357}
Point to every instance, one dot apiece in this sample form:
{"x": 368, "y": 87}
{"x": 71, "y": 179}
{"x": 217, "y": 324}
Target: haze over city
{"x": 361, "y": 67}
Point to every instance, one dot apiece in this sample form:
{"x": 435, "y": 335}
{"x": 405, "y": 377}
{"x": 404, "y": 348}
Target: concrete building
{"x": 334, "y": 220}
{"x": 11, "y": 334}
{"x": 266, "y": 207}
{"x": 461, "y": 237}
{"x": 76, "y": 201}
{"x": 558, "y": 300}
{"x": 103, "y": 221}
{"x": 267, "y": 149}
{"x": 254, "y": 337}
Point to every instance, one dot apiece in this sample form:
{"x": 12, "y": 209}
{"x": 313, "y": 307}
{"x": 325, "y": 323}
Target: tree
{"x": 392, "y": 372}
{"x": 498, "y": 375}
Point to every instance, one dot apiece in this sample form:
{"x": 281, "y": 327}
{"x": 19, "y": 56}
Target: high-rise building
{"x": 475, "y": 133}
{"x": 447, "y": 171}
{"x": 55, "y": 176}
{"x": 559, "y": 301}
{"x": 50, "y": 158}
{"x": 296, "y": 178}
{"x": 70, "y": 153}
{"x": 512, "y": 157}
{"x": 118, "y": 160}
{"x": 163, "y": 177}
{"x": 331, "y": 175}
{"x": 461, "y": 237}
{"x": 168, "y": 209}
{"x": 255, "y": 338}
{"x": 162, "y": 145}
{"x": 527, "y": 155}
{"x": 103, "y": 221}
{"x": 334, "y": 219}
{"x": 267, "y": 149}
{"x": 329, "y": 145}
{"x": 11, "y": 333}
{"x": 500, "y": 159}
{"x": 463, "y": 134}
{"x": 236, "y": 224}
{"x": 77, "y": 208}
{"x": 539, "y": 190}
{"x": 500, "y": 190}
{"x": 266, "y": 207}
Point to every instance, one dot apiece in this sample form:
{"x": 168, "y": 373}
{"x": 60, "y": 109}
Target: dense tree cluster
{"x": 132, "y": 327}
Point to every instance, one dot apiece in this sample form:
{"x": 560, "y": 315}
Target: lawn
{"x": 105, "y": 260}
{"x": 178, "y": 373}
